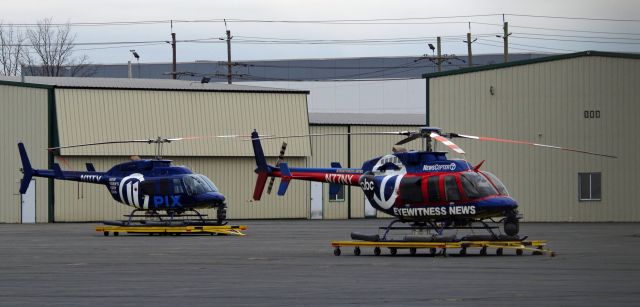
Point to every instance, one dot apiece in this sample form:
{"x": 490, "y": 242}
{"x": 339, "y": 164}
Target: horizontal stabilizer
{"x": 336, "y": 165}
{"x": 284, "y": 184}
{"x": 90, "y": 167}
{"x": 285, "y": 179}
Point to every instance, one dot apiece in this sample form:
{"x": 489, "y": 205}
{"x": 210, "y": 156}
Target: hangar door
{"x": 28, "y": 204}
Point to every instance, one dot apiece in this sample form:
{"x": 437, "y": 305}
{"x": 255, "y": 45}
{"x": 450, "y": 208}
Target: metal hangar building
{"x": 46, "y": 112}
{"x": 586, "y": 100}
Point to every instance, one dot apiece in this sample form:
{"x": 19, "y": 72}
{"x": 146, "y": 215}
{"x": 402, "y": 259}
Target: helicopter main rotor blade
{"x": 446, "y": 142}
{"x": 100, "y": 143}
{"x": 199, "y": 137}
{"x": 411, "y": 137}
{"x": 482, "y": 138}
{"x": 150, "y": 141}
{"x": 329, "y": 134}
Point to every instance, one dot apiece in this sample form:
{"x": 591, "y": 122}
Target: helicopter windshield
{"x": 496, "y": 182}
{"x": 198, "y": 184}
{"x": 476, "y": 186}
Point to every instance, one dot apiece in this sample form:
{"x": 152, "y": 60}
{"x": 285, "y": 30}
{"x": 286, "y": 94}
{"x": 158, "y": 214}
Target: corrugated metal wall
{"x": 367, "y": 147}
{"x": 86, "y": 115}
{"x": 23, "y": 118}
{"x": 327, "y": 149}
{"x": 234, "y": 177}
{"x": 545, "y": 103}
{"x": 90, "y": 115}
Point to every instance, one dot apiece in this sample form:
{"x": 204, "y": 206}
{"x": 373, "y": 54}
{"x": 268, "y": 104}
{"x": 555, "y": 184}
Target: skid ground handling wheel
{"x": 517, "y": 248}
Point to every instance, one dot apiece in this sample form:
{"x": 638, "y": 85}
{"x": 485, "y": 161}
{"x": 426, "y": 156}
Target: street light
{"x": 137, "y": 56}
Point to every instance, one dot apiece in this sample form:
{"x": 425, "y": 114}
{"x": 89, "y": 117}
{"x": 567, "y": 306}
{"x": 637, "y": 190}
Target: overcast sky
{"x": 527, "y": 35}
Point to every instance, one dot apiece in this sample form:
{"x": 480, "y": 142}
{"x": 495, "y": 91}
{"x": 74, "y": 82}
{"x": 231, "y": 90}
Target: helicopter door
{"x": 433, "y": 189}
{"x": 157, "y": 187}
{"x": 451, "y": 189}
{"x": 411, "y": 189}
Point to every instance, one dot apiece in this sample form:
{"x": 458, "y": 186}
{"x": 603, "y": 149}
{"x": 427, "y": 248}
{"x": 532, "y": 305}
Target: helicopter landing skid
{"x": 434, "y": 232}
{"x": 191, "y": 217}
{"x": 430, "y": 235}
{"x": 232, "y": 230}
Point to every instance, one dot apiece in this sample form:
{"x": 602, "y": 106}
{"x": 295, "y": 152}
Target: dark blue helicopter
{"x": 421, "y": 187}
{"x": 146, "y": 185}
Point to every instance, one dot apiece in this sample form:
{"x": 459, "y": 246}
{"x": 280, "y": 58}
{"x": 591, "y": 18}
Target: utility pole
{"x": 229, "y": 37}
{"x": 439, "y": 60}
{"x": 469, "y": 49}
{"x": 173, "y": 46}
{"x": 505, "y": 36}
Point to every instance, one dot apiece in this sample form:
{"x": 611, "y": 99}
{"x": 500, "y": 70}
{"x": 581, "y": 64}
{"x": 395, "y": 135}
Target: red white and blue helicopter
{"x": 424, "y": 188}
{"x": 149, "y": 186}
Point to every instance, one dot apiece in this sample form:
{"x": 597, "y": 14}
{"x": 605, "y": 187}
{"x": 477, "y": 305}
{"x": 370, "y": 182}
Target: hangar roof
{"x": 533, "y": 61}
{"x": 138, "y": 84}
{"x": 367, "y": 119}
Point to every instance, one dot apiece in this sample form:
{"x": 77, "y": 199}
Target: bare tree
{"x": 11, "y": 50}
{"x": 52, "y": 52}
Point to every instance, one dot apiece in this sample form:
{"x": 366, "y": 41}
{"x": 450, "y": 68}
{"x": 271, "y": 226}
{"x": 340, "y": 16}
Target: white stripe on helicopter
{"x": 400, "y": 172}
{"x": 388, "y": 203}
{"x": 132, "y": 184}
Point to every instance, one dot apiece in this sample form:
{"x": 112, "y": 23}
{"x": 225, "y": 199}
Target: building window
{"x": 589, "y": 186}
{"x": 339, "y": 196}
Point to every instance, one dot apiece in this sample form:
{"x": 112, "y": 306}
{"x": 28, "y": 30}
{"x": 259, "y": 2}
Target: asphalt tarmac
{"x": 282, "y": 263}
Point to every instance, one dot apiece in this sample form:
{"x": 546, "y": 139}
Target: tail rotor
{"x": 280, "y": 159}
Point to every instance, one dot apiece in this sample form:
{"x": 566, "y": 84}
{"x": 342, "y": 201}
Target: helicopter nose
{"x": 509, "y": 202}
{"x": 215, "y": 196}
{"x": 210, "y": 197}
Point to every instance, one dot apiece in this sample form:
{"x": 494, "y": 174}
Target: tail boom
{"x": 333, "y": 175}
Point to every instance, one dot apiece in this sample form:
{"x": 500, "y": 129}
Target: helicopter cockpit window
{"x": 496, "y": 182}
{"x": 209, "y": 183}
{"x": 177, "y": 186}
{"x": 198, "y": 184}
{"x": 451, "y": 188}
{"x": 476, "y": 186}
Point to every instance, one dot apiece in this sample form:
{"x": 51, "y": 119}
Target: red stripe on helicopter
{"x": 348, "y": 179}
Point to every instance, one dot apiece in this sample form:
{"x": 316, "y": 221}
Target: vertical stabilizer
{"x": 27, "y": 170}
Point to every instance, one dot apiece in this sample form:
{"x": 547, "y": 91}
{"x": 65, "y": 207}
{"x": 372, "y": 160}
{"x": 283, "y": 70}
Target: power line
{"x": 574, "y": 18}
{"x": 576, "y": 40}
{"x": 370, "y": 21}
{"x": 221, "y": 20}
{"x": 531, "y": 46}
{"x": 574, "y": 30}
{"x": 577, "y": 36}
